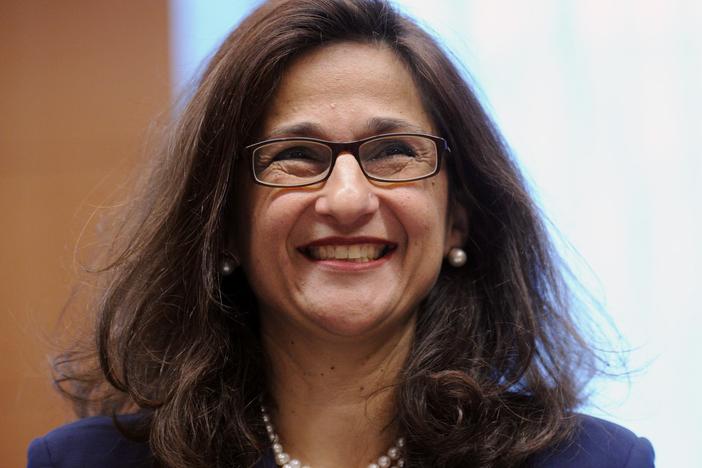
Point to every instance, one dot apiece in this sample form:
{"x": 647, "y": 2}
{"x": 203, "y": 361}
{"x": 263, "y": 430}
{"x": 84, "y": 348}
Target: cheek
{"x": 271, "y": 217}
{"x": 428, "y": 214}
{"x": 261, "y": 250}
{"x": 254, "y": 232}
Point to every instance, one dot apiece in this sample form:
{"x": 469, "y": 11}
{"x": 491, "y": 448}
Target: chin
{"x": 348, "y": 329}
{"x": 352, "y": 324}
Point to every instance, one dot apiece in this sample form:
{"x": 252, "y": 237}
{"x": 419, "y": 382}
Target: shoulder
{"x": 598, "y": 443}
{"x": 88, "y": 442}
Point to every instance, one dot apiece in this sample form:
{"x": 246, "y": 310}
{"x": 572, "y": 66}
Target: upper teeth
{"x": 356, "y": 252}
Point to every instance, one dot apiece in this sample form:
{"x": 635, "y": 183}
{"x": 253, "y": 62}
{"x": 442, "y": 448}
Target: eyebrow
{"x": 374, "y": 126}
{"x": 379, "y": 125}
{"x": 301, "y": 129}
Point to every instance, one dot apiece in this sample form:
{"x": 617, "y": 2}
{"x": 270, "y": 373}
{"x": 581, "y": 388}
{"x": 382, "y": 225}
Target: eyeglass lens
{"x": 392, "y": 158}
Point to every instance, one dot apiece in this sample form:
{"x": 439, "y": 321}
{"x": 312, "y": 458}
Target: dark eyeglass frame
{"x": 353, "y": 148}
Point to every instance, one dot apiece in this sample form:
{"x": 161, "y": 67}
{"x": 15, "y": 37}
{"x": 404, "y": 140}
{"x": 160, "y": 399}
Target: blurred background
{"x": 600, "y": 101}
{"x": 81, "y": 82}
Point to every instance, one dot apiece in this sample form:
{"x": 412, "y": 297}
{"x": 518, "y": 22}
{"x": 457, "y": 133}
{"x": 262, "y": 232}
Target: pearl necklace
{"x": 392, "y": 458}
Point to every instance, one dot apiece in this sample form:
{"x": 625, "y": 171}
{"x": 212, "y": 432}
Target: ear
{"x": 456, "y": 226}
{"x": 230, "y": 242}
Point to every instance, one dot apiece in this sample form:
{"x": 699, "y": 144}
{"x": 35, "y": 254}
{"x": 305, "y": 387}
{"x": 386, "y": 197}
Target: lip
{"x": 336, "y": 240}
{"x": 346, "y": 265}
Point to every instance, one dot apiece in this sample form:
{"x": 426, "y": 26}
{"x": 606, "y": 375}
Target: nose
{"x": 347, "y": 195}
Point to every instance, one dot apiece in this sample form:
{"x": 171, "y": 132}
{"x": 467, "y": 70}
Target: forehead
{"x": 341, "y": 89}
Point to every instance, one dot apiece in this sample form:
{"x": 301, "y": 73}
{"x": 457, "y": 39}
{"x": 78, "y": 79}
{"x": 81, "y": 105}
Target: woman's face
{"x": 344, "y": 92}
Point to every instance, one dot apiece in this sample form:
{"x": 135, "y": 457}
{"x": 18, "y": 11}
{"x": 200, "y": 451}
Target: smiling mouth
{"x": 357, "y": 253}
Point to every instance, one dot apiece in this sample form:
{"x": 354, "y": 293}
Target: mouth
{"x": 354, "y": 252}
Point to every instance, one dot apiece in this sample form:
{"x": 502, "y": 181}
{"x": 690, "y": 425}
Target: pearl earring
{"x": 227, "y": 265}
{"x": 457, "y": 257}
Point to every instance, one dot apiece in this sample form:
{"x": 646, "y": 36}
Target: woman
{"x": 336, "y": 263}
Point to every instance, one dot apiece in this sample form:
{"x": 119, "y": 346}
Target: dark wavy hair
{"x": 497, "y": 365}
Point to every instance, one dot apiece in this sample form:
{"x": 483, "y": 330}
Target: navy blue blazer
{"x": 95, "y": 442}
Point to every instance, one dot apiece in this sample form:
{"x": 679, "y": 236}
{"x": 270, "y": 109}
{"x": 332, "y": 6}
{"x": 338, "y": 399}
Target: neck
{"x": 334, "y": 399}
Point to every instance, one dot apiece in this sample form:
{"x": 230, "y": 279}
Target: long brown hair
{"x": 497, "y": 365}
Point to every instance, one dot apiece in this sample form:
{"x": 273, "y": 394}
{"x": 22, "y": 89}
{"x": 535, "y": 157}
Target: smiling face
{"x": 348, "y": 257}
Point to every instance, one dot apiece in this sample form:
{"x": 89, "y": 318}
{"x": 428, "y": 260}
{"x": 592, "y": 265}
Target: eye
{"x": 287, "y": 153}
{"x": 398, "y": 149}
{"x": 391, "y": 149}
{"x": 290, "y": 162}
{"x": 298, "y": 153}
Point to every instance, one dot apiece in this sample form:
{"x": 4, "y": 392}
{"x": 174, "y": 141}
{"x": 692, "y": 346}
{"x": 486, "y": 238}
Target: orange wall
{"x": 80, "y": 82}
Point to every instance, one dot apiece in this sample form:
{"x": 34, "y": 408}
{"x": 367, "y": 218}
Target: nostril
{"x": 345, "y": 211}
{"x": 347, "y": 195}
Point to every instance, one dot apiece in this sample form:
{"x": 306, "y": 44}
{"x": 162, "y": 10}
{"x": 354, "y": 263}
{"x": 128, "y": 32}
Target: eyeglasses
{"x": 392, "y": 157}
